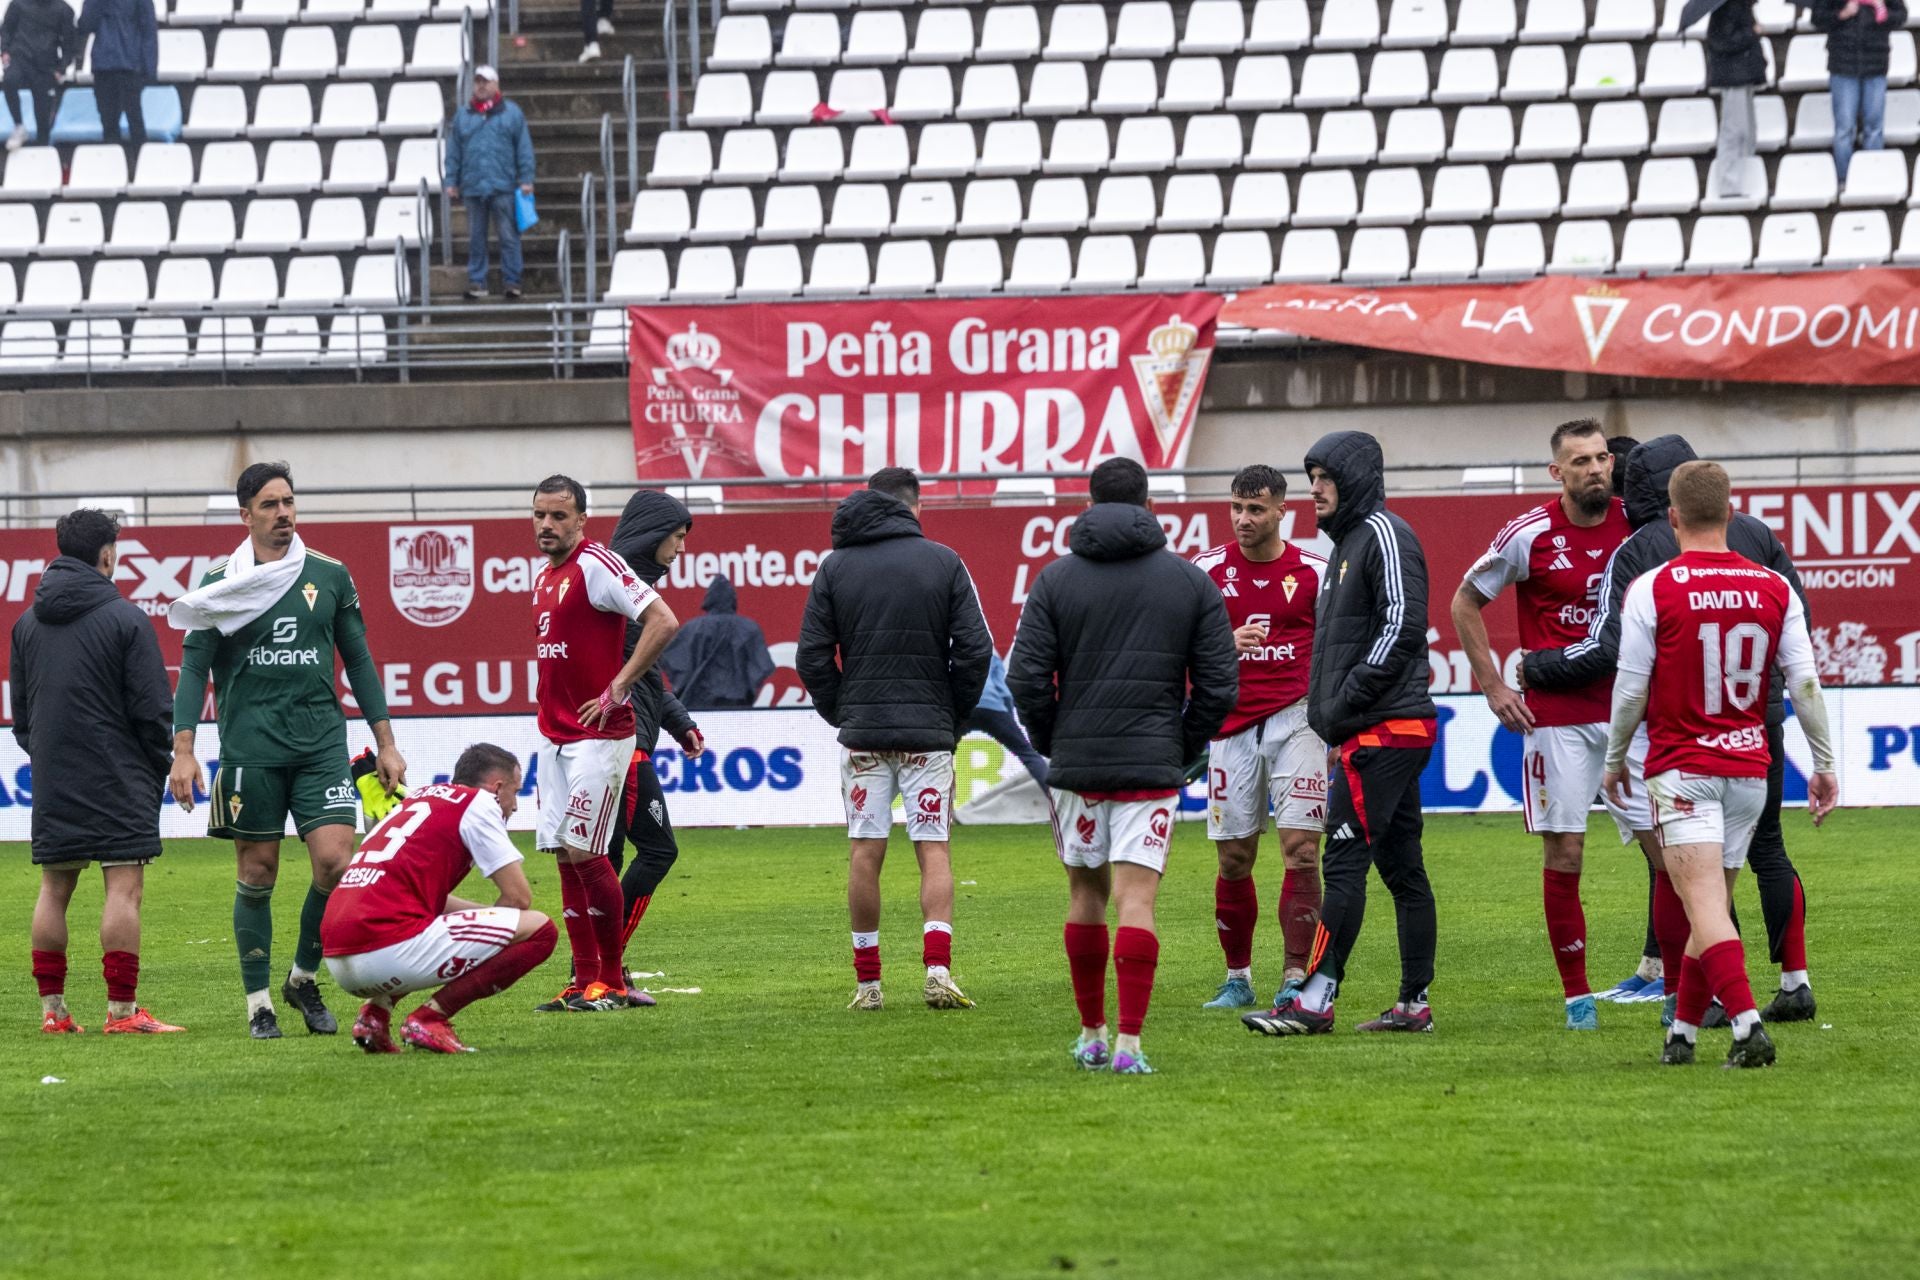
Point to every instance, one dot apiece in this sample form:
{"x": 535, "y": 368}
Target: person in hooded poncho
{"x": 719, "y": 660}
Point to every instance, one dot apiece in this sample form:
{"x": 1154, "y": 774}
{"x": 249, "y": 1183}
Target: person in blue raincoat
{"x": 489, "y": 159}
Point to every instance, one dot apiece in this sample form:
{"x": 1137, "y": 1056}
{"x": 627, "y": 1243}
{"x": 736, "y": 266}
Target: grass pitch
{"x": 757, "y": 1129}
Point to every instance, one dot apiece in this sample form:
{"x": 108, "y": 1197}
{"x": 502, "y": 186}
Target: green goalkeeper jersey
{"x": 273, "y": 679}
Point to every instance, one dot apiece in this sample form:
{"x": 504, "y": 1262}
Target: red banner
{"x": 1836, "y": 327}
{"x": 984, "y": 385}
{"x": 451, "y": 628}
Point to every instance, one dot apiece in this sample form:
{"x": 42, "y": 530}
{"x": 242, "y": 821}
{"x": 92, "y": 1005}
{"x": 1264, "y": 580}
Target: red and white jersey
{"x": 409, "y": 863}
{"x": 1561, "y": 569}
{"x": 1280, "y": 593}
{"x": 1705, "y": 628}
{"x": 580, "y": 612}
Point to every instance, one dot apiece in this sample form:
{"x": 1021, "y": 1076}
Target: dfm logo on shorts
{"x": 928, "y": 804}
{"x": 1085, "y": 827}
{"x": 455, "y": 967}
{"x": 859, "y": 797}
{"x": 1158, "y": 826}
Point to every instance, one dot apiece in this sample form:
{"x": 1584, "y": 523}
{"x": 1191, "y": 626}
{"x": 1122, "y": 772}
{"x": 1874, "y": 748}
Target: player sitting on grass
{"x": 393, "y": 925}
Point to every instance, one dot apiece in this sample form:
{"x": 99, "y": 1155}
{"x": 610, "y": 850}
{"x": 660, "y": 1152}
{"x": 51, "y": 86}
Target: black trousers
{"x": 1005, "y": 730}
{"x": 1373, "y": 819}
{"x": 42, "y": 90}
{"x": 641, "y": 820}
{"x": 118, "y": 92}
{"x": 590, "y": 12}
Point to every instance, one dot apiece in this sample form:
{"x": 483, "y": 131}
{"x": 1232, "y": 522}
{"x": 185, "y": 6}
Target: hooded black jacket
{"x": 1857, "y": 46}
{"x": 1124, "y": 664}
{"x": 93, "y": 710}
{"x": 1734, "y": 55}
{"x": 1652, "y": 544}
{"x": 718, "y": 660}
{"x": 893, "y": 647}
{"x": 649, "y": 517}
{"x": 1370, "y": 624}
{"x": 38, "y": 35}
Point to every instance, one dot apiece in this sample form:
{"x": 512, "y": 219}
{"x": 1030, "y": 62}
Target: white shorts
{"x": 448, "y": 947}
{"x": 1278, "y": 762}
{"x": 869, "y": 781}
{"x": 1561, "y": 769}
{"x": 1638, "y": 814}
{"x": 1693, "y": 808}
{"x": 579, "y": 790}
{"x": 1092, "y": 833}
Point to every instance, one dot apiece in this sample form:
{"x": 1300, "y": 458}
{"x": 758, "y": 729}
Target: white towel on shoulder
{"x": 248, "y": 590}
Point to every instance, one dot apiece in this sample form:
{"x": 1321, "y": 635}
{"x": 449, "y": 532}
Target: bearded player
{"x": 1265, "y": 755}
{"x": 582, "y": 602}
{"x": 1698, "y": 637}
{"x": 1555, "y": 556}
{"x": 393, "y": 925}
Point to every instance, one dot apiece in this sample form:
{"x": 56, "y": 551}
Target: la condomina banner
{"x": 983, "y": 385}
{"x": 1857, "y": 328}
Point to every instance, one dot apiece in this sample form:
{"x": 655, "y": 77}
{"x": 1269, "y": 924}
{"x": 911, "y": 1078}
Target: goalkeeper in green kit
{"x": 267, "y": 622}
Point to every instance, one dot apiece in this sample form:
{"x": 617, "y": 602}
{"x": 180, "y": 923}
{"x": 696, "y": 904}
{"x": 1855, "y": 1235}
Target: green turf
{"x": 758, "y": 1129}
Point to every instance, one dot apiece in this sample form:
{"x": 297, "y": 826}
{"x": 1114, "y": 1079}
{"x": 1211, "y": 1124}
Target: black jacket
{"x": 650, "y": 516}
{"x": 1649, "y": 467}
{"x": 1857, "y": 46}
{"x": 1124, "y": 664}
{"x": 1734, "y": 55}
{"x": 719, "y": 660}
{"x": 893, "y": 647}
{"x": 38, "y": 35}
{"x": 93, "y": 710}
{"x": 1370, "y": 624}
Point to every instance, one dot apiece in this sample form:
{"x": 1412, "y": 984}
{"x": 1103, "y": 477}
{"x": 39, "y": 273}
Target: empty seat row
{"x": 305, "y": 53}
{"x": 1787, "y": 242}
{"x": 145, "y": 228}
{"x": 346, "y": 109}
{"x": 100, "y": 345}
{"x": 291, "y": 166}
{"x": 183, "y": 283}
{"x": 276, "y": 13}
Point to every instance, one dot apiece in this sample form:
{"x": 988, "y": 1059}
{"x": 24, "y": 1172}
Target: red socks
{"x": 866, "y": 956}
{"x": 491, "y": 977}
{"x": 1669, "y": 923}
{"x": 1136, "y": 953}
{"x": 50, "y": 972}
{"x": 1691, "y": 991}
{"x": 1087, "y": 960}
{"x": 936, "y": 947}
{"x": 606, "y": 910}
{"x": 582, "y": 937}
{"x": 1236, "y": 910}
{"x": 1793, "y": 947}
{"x": 1299, "y": 913}
{"x": 1567, "y": 929}
{"x": 1725, "y": 967}
{"x": 122, "y": 972}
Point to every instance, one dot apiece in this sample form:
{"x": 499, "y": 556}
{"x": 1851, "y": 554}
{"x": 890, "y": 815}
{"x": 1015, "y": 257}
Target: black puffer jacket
{"x": 649, "y": 517}
{"x": 1649, "y": 467}
{"x": 893, "y": 647}
{"x": 38, "y": 35}
{"x": 1857, "y": 46}
{"x": 1370, "y": 627}
{"x": 1124, "y": 665}
{"x": 1734, "y": 55}
{"x": 93, "y": 710}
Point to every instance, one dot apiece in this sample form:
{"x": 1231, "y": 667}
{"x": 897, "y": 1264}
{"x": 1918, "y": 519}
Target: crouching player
{"x": 394, "y": 926}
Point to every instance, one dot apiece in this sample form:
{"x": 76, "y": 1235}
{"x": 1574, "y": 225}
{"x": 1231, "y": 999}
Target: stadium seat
{"x": 247, "y": 283}
{"x": 1596, "y": 189}
{"x": 741, "y": 43}
{"x": 74, "y": 229}
{"x": 183, "y": 283}
{"x": 1861, "y": 238}
{"x": 313, "y": 280}
{"x": 1467, "y": 75}
{"x": 1192, "y": 201}
{"x": 1106, "y": 263}
{"x": 336, "y": 224}
{"x": 1210, "y": 142}
{"x": 413, "y": 106}
{"x": 1688, "y": 126}
{"x": 721, "y": 98}
{"x": 1528, "y": 192}
{"x": 1415, "y": 24}
{"x": 1277, "y": 26}
{"x": 1326, "y": 198}
{"x": 1077, "y": 33}
{"x": 1650, "y": 246}
{"x": 199, "y": 13}
{"x": 1513, "y": 251}
{"x": 861, "y": 211}
{"x": 788, "y": 97}
{"x": 988, "y": 91}
{"x": 396, "y": 220}
{"x": 1397, "y": 78}
{"x": 725, "y": 213}
{"x": 163, "y": 169}
{"x": 141, "y": 229}
{"x": 1175, "y": 260}
{"x": 1461, "y": 193}
{"x": 268, "y": 13}
{"x": 95, "y": 344}
{"x": 1056, "y": 205}
{"x": 989, "y": 207}
{"x": 924, "y": 209}
{"x": 96, "y": 169}
{"x": 947, "y": 151}
{"x": 1213, "y": 26}
{"x": 1750, "y": 195}
{"x": 1414, "y": 136}
{"x": 659, "y": 216}
{"x": 809, "y": 40}
{"x": 1813, "y": 123}
{"x": 28, "y": 346}
{"x": 1258, "y": 200}
{"x": 1485, "y": 22}
{"x": 1906, "y": 255}
{"x": 971, "y": 266}
{"x": 157, "y": 343}
{"x": 1144, "y": 30}
{"x": 1261, "y": 82}
{"x": 357, "y": 165}
{"x": 1874, "y": 178}
{"x": 1013, "y": 146}
{"x": 1393, "y": 197}
{"x": 923, "y": 93}
{"x": 437, "y": 50}
{"x": 1554, "y": 21}
{"x": 239, "y": 53}
{"x": 224, "y": 341}
{"x": 1241, "y": 259}
{"x": 942, "y": 35}
{"x": 1674, "y": 67}
{"x": 1902, "y": 125}
{"x": 271, "y": 226}
{"x": 373, "y": 52}
{"x": 1060, "y": 88}
{"x": 218, "y": 111}
{"x": 1009, "y": 33}
{"x": 681, "y": 159}
{"x": 638, "y": 275}
{"x": 903, "y": 268}
{"x": 747, "y": 155}
{"x": 1281, "y": 140}
{"x": 1806, "y": 66}
{"x": 814, "y": 154}
{"x": 1581, "y": 248}
{"x": 790, "y": 213}
{"x": 285, "y": 340}
{"x": 1805, "y": 180}
{"x": 858, "y": 94}
{"x": 1194, "y": 84}
{"x": 33, "y": 173}
{"x": 838, "y": 271}
{"x": 1346, "y": 138}
{"x": 282, "y": 111}
{"x": 311, "y": 53}
{"x": 1605, "y": 70}
{"x": 1616, "y": 129}
{"x": 183, "y": 56}
{"x": 1349, "y": 26}
{"x": 1721, "y": 242}
{"x": 1309, "y": 256}
{"x": 20, "y": 229}
{"x": 1041, "y": 264}
{"x": 772, "y": 272}
{"x": 1128, "y": 86}
{"x": 1549, "y": 131}
{"x": 204, "y": 226}
{"x": 1328, "y": 80}
{"x": 1377, "y": 255}
{"x": 1788, "y": 242}
{"x": 1667, "y": 186}
{"x": 334, "y": 11}
{"x": 1482, "y": 133}
{"x": 417, "y": 162}
{"x": 1144, "y": 144}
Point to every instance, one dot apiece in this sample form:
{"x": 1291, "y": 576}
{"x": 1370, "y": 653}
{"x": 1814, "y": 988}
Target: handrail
{"x": 513, "y": 17}
{"x": 562, "y": 339}
{"x": 630, "y": 103}
{"x": 607, "y": 172}
{"x": 670, "y": 42}
{"x": 589, "y": 232}
{"x": 446, "y": 201}
{"x": 493, "y": 35}
{"x": 693, "y": 39}
{"x": 466, "y": 55}
{"x": 422, "y": 224}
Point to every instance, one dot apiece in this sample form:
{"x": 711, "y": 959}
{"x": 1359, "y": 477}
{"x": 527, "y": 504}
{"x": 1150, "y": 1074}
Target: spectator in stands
{"x": 719, "y": 660}
{"x": 1735, "y": 64}
{"x": 596, "y": 20}
{"x": 1857, "y": 44}
{"x": 126, "y": 59}
{"x": 37, "y": 45}
{"x": 489, "y": 157}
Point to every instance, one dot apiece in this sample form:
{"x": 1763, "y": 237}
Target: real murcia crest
{"x": 1289, "y": 584}
{"x": 1343, "y": 571}
{"x": 312, "y": 593}
{"x": 1171, "y": 374}
{"x": 564, "y": 584}
{"x": 1599, "y": 311}
{"x": 233, "y": 808}
{"x": 693, "y": 407}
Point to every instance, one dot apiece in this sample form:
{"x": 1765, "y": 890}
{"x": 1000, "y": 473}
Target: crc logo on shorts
{"x": 927, "y": 805}
{"x": 1309, "y": 787}
{"x": 580, "y": 804}
{"x": 430, "y": 571}
{"x": 1158, "y": 825}
{"x": 1085, "y": 827}
{"x": 859, "y": 798}
{"x": 340, "y": 796}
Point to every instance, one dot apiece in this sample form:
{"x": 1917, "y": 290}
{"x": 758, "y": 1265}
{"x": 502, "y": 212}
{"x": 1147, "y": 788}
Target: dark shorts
{"x": 252, "y": 801}
{"x": 71, "y": 862}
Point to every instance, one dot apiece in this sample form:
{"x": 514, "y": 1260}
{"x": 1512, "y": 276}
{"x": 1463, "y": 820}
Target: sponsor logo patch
{"x": 430, "y": 573}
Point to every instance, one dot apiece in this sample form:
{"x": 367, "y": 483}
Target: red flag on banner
{"x": 1838, "y": 327}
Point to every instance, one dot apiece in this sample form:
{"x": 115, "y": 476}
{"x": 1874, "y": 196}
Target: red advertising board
{"x": 1830, "y": 327}
{"x": 449, "y": 622}
{"x": 985, "y": 385}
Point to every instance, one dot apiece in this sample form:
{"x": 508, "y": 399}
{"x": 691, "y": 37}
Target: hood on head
{"x": 649, "y": 519}
{"x": 71, "y": 589}
{"x": 1649, "y": 467}
{"x": 1358, "y": 468}
{"x": 1116, "y": 531}
{"x": 721, "y": 597}
{"x": 868, "y": 515}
